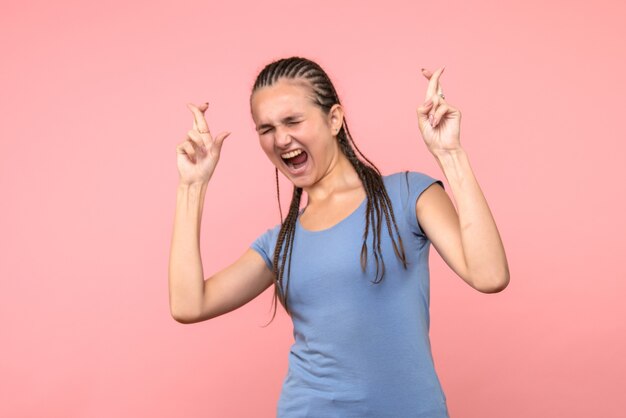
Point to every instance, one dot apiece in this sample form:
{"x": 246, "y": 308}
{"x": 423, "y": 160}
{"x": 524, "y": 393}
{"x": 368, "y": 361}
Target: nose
{"x": 282, "y": 138}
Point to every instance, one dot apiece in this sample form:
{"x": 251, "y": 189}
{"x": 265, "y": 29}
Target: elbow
{"x": 183, "y": 317}
{"x": 494, "y": 284}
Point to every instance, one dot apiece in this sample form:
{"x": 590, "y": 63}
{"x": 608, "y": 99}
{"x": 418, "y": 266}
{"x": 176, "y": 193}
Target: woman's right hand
{"x": 198, "y": 154}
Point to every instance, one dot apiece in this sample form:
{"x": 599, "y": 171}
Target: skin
{"x": 467, "y": 240}
{"x": 287, "y": 119}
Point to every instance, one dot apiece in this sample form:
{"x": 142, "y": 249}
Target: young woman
{"x": 351, "y": 267}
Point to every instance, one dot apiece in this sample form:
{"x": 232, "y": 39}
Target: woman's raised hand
{"x": 198, "y": 154}
{"x": 439, "y": 122}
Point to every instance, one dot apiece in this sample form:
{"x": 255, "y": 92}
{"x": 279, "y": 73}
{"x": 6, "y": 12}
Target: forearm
{"x": 482, "y": 246}
{"x": 186, "y": 278}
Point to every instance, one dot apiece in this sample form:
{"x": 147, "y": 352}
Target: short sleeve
{"x": 416, "y": 183}
{"x": 265, "y": 244}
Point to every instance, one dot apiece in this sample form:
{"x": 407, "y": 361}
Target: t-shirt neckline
{"x": 330, "y": 228}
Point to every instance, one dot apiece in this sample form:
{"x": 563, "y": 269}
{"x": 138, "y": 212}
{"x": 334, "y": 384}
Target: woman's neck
{"x": 340, "y": 178}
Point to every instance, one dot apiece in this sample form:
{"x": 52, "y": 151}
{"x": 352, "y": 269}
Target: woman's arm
{"x": 186, "y": 278}
{"x": 192, "y": 298}
{"x": 469, "y": 242}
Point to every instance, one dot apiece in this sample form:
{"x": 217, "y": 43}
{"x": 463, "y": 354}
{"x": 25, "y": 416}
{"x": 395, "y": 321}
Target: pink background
{"x": 93, "y": 104}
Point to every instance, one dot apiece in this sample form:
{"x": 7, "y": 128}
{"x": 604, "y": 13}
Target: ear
{"x": 335, "y": 117}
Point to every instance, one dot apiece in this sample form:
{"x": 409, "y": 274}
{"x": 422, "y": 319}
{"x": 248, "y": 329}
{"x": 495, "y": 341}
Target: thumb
{"x": 220, "y": 139}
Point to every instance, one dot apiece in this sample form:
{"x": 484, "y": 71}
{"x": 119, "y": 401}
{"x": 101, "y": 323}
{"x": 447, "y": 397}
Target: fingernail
{"x": 430, "y": 119}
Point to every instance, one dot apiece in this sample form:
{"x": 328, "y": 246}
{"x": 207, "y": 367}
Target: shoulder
{"x": 265, "y": 243}
{"x": 410, "y": 174}
{"x": 405, "y": 188}
{"x": 270, "y": 234}
{"x": 410, "y": 182}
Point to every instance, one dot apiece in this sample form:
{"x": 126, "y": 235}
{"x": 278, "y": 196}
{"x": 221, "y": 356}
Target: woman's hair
{"x": 378, "y": 202}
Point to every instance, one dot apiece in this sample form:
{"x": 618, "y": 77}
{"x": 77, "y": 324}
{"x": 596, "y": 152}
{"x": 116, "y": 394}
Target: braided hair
{"x": 378, "y": 202}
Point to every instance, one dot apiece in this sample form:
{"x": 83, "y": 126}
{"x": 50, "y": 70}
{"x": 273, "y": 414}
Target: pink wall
{"x": 93, "y": 104}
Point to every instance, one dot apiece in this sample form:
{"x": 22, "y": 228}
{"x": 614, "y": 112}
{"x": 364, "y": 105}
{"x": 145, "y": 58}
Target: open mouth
{"x": 295, "y": 159}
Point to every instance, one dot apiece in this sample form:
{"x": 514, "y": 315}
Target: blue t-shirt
{"x": 361, "y": 349}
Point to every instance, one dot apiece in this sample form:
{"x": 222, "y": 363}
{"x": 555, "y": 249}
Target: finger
{"x": 219, "y": 140}
{"x": 200, "y": 126}
{"x": 436, "y": 103}
{"x": 425, "y": 108}
{"x": 187, "y": 149}
{"x": 197, "y": 139}
{"x": 433, "y": 82}
{"x": 439, "y": 114}
{"x": 198, "y": 116}
{"x": 422, "y": 113}
{"x": 428, "y": 74}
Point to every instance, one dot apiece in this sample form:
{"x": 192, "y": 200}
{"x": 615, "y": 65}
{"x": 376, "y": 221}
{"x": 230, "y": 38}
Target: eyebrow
{"x": 286, "y": 119}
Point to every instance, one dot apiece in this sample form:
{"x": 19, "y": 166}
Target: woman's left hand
{"x": 439, "y": 123}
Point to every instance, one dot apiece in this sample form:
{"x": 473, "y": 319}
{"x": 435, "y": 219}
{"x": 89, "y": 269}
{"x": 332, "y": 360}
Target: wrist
{"x": 190, "y": 197}
{"x": 455, "y": 165}
{"x": 193, "y": 184}
{"x": 450, "y": 154}
{"x": 192, "y": 191}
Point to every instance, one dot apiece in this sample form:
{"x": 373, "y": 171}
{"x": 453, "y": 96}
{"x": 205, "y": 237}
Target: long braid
{"x": 369, "y": 177}
{"x": 280, "y": 210}
{"x": 378, "y": 201}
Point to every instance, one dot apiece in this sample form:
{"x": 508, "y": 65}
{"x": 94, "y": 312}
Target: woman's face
{"x": 295, "y": 134}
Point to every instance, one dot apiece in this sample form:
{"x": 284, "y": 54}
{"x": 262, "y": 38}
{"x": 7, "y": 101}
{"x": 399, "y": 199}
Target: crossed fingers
{"x": 200, "y": 135}
{"x": 434, "y": 85}
{"x": 434, "y": 93}
{"x": 199, "y": 122}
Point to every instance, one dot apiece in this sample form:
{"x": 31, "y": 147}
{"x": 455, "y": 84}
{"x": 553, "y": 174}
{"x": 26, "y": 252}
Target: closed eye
{"x": 289, "y": 123}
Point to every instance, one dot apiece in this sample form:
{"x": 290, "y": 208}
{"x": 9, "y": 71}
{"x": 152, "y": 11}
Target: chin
{"x": 302, "y": 181}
